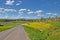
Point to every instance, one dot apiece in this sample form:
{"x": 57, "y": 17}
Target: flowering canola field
{"x": 39, "y": 25}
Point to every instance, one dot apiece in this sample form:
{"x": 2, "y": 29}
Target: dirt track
{"x": 16, "y": 33}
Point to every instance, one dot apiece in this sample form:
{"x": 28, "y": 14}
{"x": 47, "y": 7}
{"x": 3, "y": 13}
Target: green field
{"x": 8, "y": 25}
{"x": 36, "y": 30}
{"x": 50, "y": 33}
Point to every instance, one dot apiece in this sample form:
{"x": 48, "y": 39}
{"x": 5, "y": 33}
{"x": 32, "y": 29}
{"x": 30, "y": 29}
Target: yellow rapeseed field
{"x": 39, "y": 25}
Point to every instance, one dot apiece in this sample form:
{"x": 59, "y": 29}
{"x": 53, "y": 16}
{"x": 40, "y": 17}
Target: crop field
{"x": 39, "y": 25}
{"x": 36, "y": 30}
{"x": 43, "y": 30}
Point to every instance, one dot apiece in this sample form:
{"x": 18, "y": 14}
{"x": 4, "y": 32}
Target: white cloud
{"x": 19, "y": 2}
{"x": 39, "y": 15}
{"x": 36, "y": 12}
{"x": 30, "y": 12}
{"x": 9, "y": 2}
{"x": 54, "y": 14}
{"x": 22, "y": 10}
{"x": 48, "y": 13}
{"x": 20, "y": 13}
{"x": 39, "y": 11}
{"x": 9, "y": 10}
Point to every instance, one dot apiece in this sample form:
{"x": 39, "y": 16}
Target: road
{"x": 16, "y": 33}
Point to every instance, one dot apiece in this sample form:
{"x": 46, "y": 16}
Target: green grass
{"x": 49, "y": 34}
{"x": 35, "y": 34}
{"x": 56, "y": 24}
{"x": 8, "y": 25}
{"x": 55, "y": 35}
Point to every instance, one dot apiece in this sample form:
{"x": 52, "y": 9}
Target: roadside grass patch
{"x": 34, "y": 34}
{"x": 7, "y": 25}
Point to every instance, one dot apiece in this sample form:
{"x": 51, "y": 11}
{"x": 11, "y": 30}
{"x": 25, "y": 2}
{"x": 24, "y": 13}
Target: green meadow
{"x": 52, "y": 33}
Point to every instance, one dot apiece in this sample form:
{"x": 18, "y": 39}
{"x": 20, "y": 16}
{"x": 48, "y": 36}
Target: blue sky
{"x": 14, "y": 9}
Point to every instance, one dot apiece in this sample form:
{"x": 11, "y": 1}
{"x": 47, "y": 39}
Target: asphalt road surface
{"x": 16, "y": 33}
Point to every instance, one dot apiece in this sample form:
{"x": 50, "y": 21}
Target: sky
{"x": 31, "y": 9}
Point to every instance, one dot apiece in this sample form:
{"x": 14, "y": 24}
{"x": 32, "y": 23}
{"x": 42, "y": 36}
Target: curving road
{"x": 16, "y": 33}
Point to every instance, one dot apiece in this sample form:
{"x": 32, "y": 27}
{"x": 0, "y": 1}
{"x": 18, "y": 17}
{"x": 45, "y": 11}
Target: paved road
{"x": 16, "y": 33}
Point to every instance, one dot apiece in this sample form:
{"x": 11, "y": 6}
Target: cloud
{"x": 30, "y": 12}
{"x": 5, "y": 10}
{"x": 9, "y": 10}
{"x": 25, "y": 10}
{"x": 27, "y": 17}
{"x": 38, "y": 15}
{"x": 1, "y": 9}
{"x": 35, "y": 12}
{"x": 9, "y": 2}
{"x": 12, "y": 2}
{"x": 24, "y": 13}
{"x": 54, "y": 14}
{"x": 19, "y": 3}
{"x": 39, "y": 11}
{"x": 22, "y": 10}
{"x": 21, "y": 17}
{"x": 49, "y": 13}
{"x": 20, "y": 14}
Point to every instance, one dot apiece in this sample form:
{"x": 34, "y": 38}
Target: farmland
{"x": 38, "y": 29}
{"x": 48, "y": 30}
